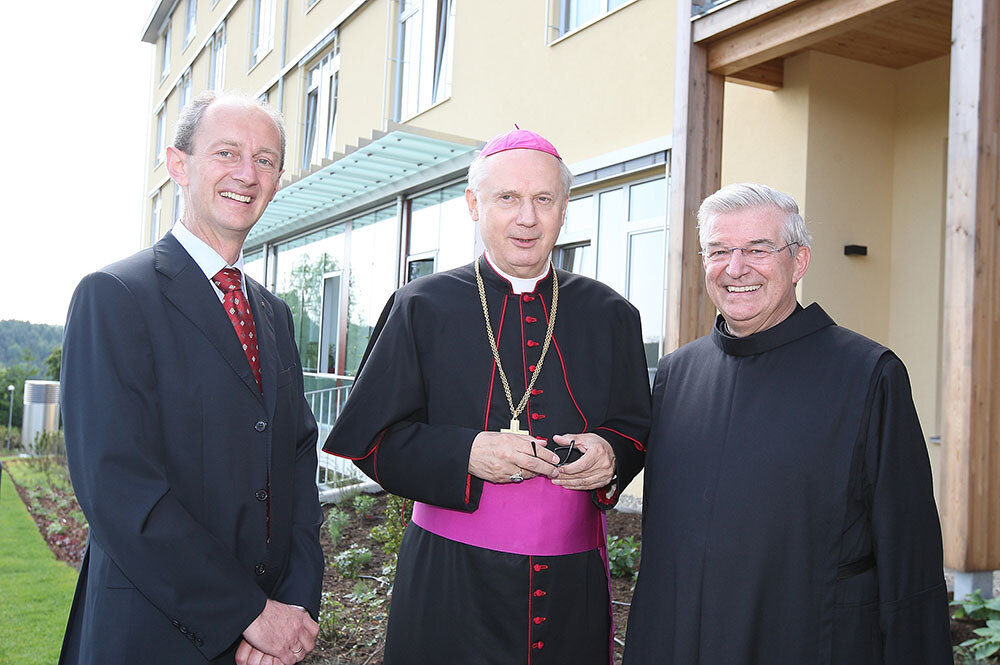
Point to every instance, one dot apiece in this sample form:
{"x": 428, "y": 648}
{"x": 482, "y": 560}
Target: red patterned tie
{"x": 238, "y": 309}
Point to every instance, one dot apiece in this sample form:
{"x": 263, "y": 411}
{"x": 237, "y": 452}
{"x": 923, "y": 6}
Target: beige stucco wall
{"x": 916, "y": 280}
{"x": 362, "y": 73}
{"x": 598, "y": 89}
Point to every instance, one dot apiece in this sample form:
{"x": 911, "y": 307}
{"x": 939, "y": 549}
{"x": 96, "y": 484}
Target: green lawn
{"x": 35, "y": 589}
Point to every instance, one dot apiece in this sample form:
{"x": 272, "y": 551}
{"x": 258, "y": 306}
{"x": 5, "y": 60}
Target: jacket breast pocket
{"x": 286, "y": 376}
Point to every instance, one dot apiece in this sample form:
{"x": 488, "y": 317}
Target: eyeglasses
{"x": 755, "y": 254}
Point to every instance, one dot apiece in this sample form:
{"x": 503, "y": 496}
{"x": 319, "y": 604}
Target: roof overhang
{"x": 160, "y": 11}
{"x": 391, "y": 163}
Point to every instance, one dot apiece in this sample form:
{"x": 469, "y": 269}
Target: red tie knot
{"x": 228, "y": 279}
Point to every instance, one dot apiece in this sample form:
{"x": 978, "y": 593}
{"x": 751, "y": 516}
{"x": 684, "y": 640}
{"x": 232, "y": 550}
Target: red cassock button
{"x": 539, "y": 593}
{"x": 527, "y": 297}
{"x": 530, "y": 319}
{"x": 532, "y": 343}
{"x": 538, "y": 645}
{"x": 538, "y": 620}
{"x": 537, "y": 416}
{"x": 531, "y": 368}
{"x": 536, "y": 391}
{"x": 539, "y": 567}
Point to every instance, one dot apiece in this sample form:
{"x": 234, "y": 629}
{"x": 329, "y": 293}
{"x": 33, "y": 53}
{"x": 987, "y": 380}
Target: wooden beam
{"x": 800, "y": 27}
{"x": 767, "y": 76}
{"x": 727, "y": 18}
{"x": 695, "y": 172}
{"x": 971, "y": 402}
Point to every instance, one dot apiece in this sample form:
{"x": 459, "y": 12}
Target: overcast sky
{"x": 72, "y": 172}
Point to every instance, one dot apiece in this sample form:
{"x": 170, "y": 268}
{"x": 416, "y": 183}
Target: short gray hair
{"x": 743, "y": 196}
{"x": 191, "y": 115}
{"x": 477, "y": 173}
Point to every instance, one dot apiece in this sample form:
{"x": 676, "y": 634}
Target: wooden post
{"x": 971, "y": 403}
{"x": 695, "y": 172}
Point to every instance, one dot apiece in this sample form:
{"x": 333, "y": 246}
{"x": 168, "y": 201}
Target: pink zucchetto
{"x": 518, "y": 139}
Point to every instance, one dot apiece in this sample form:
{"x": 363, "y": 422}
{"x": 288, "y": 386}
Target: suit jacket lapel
{"x": 267, "y": 347}
{"x": 187, "y": 288}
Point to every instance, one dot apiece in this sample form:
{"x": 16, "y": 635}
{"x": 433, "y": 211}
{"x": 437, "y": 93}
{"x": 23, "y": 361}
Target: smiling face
{"x": 753, "y": 296}
{"x": 231, "y": 174}
{"x": 520, "y": 206}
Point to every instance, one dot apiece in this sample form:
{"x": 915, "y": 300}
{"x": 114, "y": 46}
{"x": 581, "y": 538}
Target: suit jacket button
{"x": 260, "y": 569}
{"x": 261, "y": 495}
{"x": 260, "y": 426}
{"x": 199, "y": 642}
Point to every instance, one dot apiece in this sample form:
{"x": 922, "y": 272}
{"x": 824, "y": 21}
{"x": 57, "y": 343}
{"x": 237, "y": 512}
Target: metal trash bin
{"x": 41, "y": 411}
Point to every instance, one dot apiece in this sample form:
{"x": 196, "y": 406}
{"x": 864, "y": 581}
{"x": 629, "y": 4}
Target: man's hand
{"x": 496, "y": 456}
{"x": 593, "y": 470}
{"x": 283, "y": 633}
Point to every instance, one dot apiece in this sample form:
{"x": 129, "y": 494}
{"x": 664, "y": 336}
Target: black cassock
{"x": 426, "y": 387}
{"x": 789, "y": 516}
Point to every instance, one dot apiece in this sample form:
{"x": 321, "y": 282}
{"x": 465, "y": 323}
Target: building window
{"x": 618, "y": 236}
{"x": 178, "y": 203}
{"x": 217, "y": 64}
{"x": 372, "y": 279}
{"x": 574, "y": 13}
{"x": 165, "y": 53}
{"x": 190, "y": 21}
{"x": 321, "y": 109}
{"x": 184, "y": 89}
{"x": 440, "y": 235}
{"x": 161, "y": 136}
{"x": 262, "y": 36}
{"x": 426, "y": 45}
{"x": 310, "y": 4}
{"x": 154, "y": 220}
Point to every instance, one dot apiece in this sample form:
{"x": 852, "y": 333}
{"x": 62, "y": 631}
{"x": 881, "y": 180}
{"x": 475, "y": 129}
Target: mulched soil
{"x": 356, "y": 628}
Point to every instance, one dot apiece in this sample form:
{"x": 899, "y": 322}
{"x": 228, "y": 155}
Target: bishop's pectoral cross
{"x": 515, "y": 428}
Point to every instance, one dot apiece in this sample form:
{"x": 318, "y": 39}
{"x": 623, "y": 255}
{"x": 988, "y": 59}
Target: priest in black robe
{"x": 504, "y": 560}
{"x": 789, "y": 515}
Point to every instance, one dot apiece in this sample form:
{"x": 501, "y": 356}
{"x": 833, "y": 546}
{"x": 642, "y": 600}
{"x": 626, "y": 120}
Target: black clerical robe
{"x": 789, "y": 516}
{"x": 427, "y": 386}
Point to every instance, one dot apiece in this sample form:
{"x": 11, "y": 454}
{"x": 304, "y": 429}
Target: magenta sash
{"x": 534, "y": 517}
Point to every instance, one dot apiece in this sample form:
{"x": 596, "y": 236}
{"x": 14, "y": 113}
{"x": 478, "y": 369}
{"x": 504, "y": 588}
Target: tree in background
{"x": 53, "y": 364}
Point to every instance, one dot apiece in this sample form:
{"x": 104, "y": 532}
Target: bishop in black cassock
{"x": 789, "y": 515}
{"x": 504, "y": 561}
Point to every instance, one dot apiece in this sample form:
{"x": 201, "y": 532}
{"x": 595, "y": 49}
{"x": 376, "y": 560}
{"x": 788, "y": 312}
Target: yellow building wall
{"x": 917, "y": 278}
{"x": 577, "y": 91}
{"x": 362, "y": 94}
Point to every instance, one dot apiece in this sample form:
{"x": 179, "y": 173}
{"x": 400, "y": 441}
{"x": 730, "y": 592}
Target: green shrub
{"x": 350, "y": 561}
{"x": 364, "y": 506}
{"x": 336, "y": 522}
{"x": 331, "y": 616}
{"x": 977, "y": 608}
{"x": 623, "y": 556}
{"x": 389, "y": 534}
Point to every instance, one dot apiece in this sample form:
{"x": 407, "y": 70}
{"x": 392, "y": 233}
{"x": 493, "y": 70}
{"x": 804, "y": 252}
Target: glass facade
{"x": 337, "y": 280}
{"x": 618, "y": 236}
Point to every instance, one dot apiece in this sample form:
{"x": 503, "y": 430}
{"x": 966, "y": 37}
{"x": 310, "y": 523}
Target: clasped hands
{"x": 497, "y": 456}
{"x": 280, "y": 635}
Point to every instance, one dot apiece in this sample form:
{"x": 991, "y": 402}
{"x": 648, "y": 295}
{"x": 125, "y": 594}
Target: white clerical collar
{"x": 518, "y": 284}
{"x": 207, "y": 258}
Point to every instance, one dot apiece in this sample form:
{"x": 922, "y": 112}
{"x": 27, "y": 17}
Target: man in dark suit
{"x": 191, "y": 446}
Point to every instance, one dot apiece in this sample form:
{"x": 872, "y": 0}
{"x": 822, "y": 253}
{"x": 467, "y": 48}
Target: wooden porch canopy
{"x": 746, "y": 41}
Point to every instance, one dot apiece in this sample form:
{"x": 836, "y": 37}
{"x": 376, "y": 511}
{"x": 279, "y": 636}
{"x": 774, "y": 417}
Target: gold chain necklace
{"x": 515, "y": 425}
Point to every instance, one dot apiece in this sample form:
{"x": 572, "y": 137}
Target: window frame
{"x": 165, "y": 51}
{"x": 154, "y": 218}
{"x": 217, "y": 59}
{"x": 160, "y": 154}
{"x": 417, "y": 92}
{"x": 319, "y": 127}
{"x": 190, "y": 21}
{"x": 259, "y": 48}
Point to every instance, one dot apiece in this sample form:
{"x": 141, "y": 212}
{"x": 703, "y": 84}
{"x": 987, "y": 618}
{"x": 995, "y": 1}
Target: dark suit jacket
{"x": 175, "y": 457}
